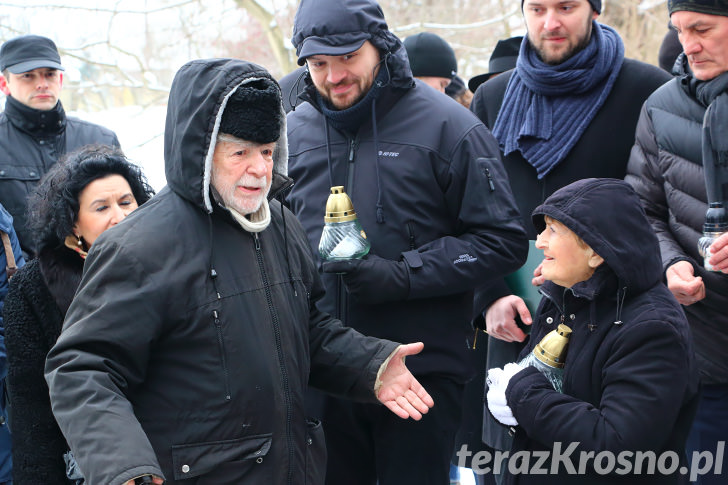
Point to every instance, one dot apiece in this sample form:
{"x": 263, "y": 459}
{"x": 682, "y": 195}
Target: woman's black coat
{"x": 38, "y": 299}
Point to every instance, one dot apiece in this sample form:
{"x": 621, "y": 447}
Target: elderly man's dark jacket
{"x": 666, "y": 170}
{"x": 630, "y": 376}
{"x": 190, "y": 341}
{"x": 433, "y": 173}
{"x": 31, "y": 141}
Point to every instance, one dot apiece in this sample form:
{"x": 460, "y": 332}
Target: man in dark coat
{"x": 428, "y": 187}
{"x": 629, "y": 382}
{"x": 195, "y": 328}
{"x": 34, "y": 130}
{"x": 566, "y": 112}
{"x": 677, "y": 166}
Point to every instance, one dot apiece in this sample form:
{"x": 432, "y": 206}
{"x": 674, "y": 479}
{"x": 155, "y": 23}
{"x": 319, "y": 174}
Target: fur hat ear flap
{"x": 253, "y": 112}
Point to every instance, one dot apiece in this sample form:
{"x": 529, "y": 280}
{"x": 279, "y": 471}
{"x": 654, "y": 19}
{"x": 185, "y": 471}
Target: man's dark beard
{"x": 567, "y": 55}
{"x": 334, "y": 107}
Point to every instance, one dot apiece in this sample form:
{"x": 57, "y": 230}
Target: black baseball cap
{"x": 28, "y": 52}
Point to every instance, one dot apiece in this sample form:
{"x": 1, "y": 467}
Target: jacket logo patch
{"x": 465, "y": 258}
{"x": 388, "y": 154}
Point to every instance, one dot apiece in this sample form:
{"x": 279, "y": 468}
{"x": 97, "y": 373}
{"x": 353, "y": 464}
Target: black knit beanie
{"x": 430, "y": 55}
{"x": 595, "y": 4}
{"x": 710, "y": 7}
{"x": 253, "y": 112}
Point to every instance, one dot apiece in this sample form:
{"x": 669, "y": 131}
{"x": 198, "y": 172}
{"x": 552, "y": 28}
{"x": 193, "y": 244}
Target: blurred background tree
{"x": 126, "y": 52}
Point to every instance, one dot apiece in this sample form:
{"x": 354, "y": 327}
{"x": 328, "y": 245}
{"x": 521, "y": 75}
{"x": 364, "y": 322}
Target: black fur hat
{"x": 253, "y": 112}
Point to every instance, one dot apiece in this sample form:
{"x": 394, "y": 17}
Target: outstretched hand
{"x": 399, "y": 389}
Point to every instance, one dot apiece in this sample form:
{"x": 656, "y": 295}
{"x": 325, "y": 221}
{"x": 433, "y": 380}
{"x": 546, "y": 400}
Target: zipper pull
{"x": 257, "y": 241}
{"x": 490, "y": 179}
{"x": 352, "y": 148}
{"x": 475, "y": 338}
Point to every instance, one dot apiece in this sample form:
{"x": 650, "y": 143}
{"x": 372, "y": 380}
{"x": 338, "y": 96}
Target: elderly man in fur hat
{"x": 195, "y": 330}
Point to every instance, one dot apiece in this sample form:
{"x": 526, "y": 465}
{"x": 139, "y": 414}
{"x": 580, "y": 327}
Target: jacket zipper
{"x": 490, "y": 179}
{"x": 342, "y": 299}
{"x": 353, "y": 144}
{"x": 279, "y": 351}
{"x": 411, "y": 233}
{"x": 221, "y": 345}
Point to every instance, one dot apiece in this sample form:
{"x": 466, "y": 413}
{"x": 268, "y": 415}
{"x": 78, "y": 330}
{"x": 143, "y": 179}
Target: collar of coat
{"x": 34, "y": 121}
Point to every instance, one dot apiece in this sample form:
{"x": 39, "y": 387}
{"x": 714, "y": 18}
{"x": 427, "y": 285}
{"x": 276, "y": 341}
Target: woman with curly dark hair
{"x": 91, "y": 190}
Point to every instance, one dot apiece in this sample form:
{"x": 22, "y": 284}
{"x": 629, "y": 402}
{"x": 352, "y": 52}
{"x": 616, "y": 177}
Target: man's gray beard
{"x": 228, "y": 197}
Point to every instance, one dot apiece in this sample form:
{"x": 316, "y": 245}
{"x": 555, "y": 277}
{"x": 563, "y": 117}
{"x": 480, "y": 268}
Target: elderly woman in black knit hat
{"x": 91, "y": 190}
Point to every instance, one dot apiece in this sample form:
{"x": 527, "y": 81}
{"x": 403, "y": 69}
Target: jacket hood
{"x": 608, "y": 216}
{"x": 197, "y": 99}
{"x": 325, "y": 25}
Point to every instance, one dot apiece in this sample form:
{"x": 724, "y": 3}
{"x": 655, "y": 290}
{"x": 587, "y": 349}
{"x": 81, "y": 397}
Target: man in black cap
{"x": 566, "y": 112}
{"x": 429, "y": 189}
{"x": 678, "y": 165}
{"x": 195, "y": 329}
{"x": 34, "y": 130}
{"x": 432, "y": 60}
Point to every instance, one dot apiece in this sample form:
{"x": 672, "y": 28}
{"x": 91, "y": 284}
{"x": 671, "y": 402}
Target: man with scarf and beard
{"x": 429, "y": 189}
{"x": 680, "y": 163}
{"x": 566, "y": 112}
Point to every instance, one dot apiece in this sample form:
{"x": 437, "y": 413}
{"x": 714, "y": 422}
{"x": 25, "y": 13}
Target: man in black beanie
{"x": 678, "y": 166}
{"x": 566, "y": 112}
{"x": 196, "y": 329}
{"x": 432, "y": 60}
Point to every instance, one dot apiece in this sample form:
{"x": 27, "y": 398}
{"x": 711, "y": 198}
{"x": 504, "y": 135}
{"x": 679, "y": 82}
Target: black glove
{"x": 374, "y": 279}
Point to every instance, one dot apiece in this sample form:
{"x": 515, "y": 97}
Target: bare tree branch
{"x": 272, "y": 31}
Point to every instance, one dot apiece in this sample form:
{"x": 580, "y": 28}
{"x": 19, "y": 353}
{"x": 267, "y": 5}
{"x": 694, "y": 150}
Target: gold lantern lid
{"x": 339, "y": 207}
{"x": 551, "y": 350}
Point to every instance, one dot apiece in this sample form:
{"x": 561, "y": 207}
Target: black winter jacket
{"x": 447, "y": 208}
{"x": 31, "y": 141}
{"x": 666, "y": 170}
{"x": 190, "y": 341}
{"x": 630, "y": 378}
{"x": 39, "y": 296}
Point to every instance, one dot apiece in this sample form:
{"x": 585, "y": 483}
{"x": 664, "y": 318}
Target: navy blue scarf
{"x": 546, "y": 108}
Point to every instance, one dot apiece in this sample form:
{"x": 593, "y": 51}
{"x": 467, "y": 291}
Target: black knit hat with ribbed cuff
{"x": 595, "y": 4}
{"x": 710, "y": 7}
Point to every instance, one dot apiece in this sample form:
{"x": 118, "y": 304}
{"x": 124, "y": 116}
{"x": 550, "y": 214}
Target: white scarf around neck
{"x": 255, "y": 222}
